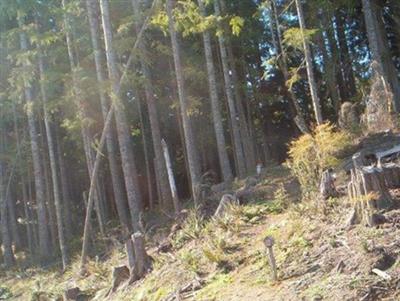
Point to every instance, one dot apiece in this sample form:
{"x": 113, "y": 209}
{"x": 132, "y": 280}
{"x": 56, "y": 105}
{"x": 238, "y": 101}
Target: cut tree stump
{"x": 119, "y": 275}
{"x": 327, "y": 188}
{"x": 369, "y": 193}
{"x": 391, "y": 172}
{"x": 226, "y": 201}
{"x": 72, "y": 293}
{"x": 142, "y": 259}
{"x": 130, "y": 253}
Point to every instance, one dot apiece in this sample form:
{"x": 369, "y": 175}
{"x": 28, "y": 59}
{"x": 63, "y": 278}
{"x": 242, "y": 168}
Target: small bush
{"x": 5, "y": 293}
{"x": 191, "y": 229}
{"x": 191, "y": 261}
{"x": 217, "y": 248}
{"x": 311, "y": 154}
{"x": 280, "y": 201}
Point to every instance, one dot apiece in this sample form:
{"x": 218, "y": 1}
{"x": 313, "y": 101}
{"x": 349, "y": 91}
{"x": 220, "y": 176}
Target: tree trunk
{"x": 329, "y": 73}
{"x": 192, "y": 156}
{"x": 247, "y": 143}
{"x": 298, "y": 114}
{"x": 149, "y": 176}
{"x": 51, "y": 211}
{"x": 53, "y": 167}
{"x": 25, "y": 199}
{"x": 237, "y": 141}
{"x": 171, "y": 177}
{"x": 116, "y": 174}
{"x": 86, "y": 137}
{"x": 12, "y": 217}
{"x": 44, "y": 238}
{"x": 309, "y": 63}
{"x": 106, "y": 129}
{"x": 215, "y": 106}
{"x": 349, "y": 86}
{"x": 378, "y": 45}
{"x": 124, "y": 139}
{"x": 8, "y": 253}
{"x": 165, "y": 196}
{"x": 66, "y": 195}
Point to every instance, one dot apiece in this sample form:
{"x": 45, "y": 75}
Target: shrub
{"x": 311, "y": 154}
{"x": 5, "y": 293}
{"x": 191, "y": 229}
{"x": 191, "y": 260}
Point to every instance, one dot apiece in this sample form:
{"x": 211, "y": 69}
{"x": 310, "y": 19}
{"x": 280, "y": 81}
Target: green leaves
{"x": 236, "y": 24}
{"x": 293, "y": 37}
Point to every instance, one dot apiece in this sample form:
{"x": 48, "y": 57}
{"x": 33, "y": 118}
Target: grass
{"x": 227, "y": 253}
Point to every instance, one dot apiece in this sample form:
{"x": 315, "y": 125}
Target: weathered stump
{"x": 72, "y": 293}
{"x": 226, "y": 201}
{"x": 327, "y": 188}
{"x": 142, "y": 259}
{"x": 130, "y": 253}
{"x": 391, "y": 173}
{"x": 368, "y": 190}
{"x": 119, "y": 275}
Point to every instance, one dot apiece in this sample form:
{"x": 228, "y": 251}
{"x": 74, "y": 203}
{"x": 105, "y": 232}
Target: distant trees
{"x": 226, "y": 84}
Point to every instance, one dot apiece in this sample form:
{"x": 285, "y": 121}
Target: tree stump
{"x": 119, "y": 275}
{"x": 142, "y": 259}
{"x": 226, "y": 201}
{"x": 369, "y": 193}
{"x": 130, "y": 253}
{"x": 72, "y": 293}
{"x": 391, "y": 172}
{"x": 327, "y": 188}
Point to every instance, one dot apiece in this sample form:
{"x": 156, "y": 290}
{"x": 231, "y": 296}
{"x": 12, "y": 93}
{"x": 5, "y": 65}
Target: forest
{"x": 146, "y": 126}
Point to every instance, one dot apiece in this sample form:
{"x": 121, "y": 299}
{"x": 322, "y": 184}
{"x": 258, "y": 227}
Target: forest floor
{"x": 318, "y": 257}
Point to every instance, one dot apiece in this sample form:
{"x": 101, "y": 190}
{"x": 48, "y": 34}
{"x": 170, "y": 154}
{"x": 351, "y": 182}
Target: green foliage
{"x": 293, "y": 37}
{"x": 191, "y": 229}
{"x": 191, "y": 260}
{"x": 236, "y": 24}
{"x": 217, "y": 248}
{"x": 311, "y": 154}
{"x": 280, "y": 201}
{"x": 5, "y": 293}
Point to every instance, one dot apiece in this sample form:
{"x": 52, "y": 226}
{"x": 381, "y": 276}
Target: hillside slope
{"x": 318, "y": 257}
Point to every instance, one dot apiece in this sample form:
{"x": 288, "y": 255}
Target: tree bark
{"x": 171, "y": 177}
{"x": 192, "y": 156}
{"x": 349, "y": 86}
{"x": 44, "y": 238}
{"x": 65, "y": 192}
{"x": 309, "y": 63}
{"x": 8, "y": 253}
{"x": 124, "y": 139}
{"x": 237, "y": 141}
{"x": 116, "y": 174}
{"x": 215, "y": 106}
{"x": 298, "y": 117}
{"x": 25, "y": 199}
{"x": 53, "y": 167}
{"x": 165, "y": 196}
{"x": 247, "y": 143}
{"x": 379, "y": 48}
{"x": 86, "y": 137}
{"x": 12, "y": 219}
{"x": 149, "y": 176}
{"x": 106, "y": 129}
